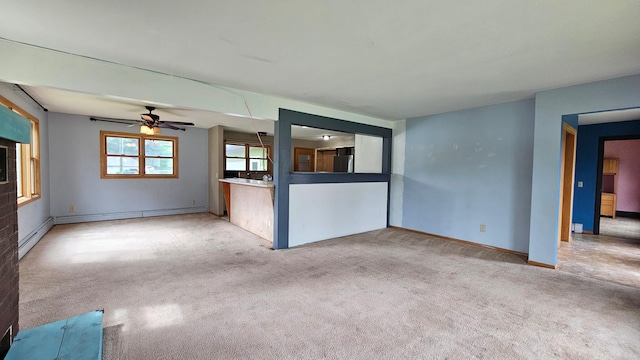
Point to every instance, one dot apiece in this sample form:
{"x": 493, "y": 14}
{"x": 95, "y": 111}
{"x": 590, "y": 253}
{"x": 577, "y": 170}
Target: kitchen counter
{"x": 250, "y": 205}
{"x": 250, "y": 182}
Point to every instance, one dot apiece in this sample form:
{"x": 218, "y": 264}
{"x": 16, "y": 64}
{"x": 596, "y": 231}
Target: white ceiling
{"x": 386, "y": 59}
{"x": 609, "y": 116}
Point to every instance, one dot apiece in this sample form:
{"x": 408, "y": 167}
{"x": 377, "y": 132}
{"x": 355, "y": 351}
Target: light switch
{"x": 579, "y": 183}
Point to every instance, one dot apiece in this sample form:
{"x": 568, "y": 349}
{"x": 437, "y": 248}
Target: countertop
{"x": 250, "y": 182}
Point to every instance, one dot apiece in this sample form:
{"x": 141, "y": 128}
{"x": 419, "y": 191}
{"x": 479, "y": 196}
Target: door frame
{"x": 567, "y": 177}
{"x": 598, "y": 202}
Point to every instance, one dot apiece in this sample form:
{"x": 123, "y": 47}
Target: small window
{"x": 138, "y": 156}
{"x": 27, "y": 159}
{"x": 246, "y": 157}
{"x": 258, "y": 159}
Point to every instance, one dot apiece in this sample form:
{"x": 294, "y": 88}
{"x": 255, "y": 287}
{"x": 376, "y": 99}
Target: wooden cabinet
{"x": 610, "y": 166}
{"x": 608, "y": 205}
{"x": 324, "y": 160}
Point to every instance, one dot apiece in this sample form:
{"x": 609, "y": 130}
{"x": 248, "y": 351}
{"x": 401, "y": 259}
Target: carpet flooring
{"x": 196, "y": 287}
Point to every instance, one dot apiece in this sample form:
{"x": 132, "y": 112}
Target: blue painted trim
{"x": 282, "y": 171}
{"x": 14, "y": 127}
{"x": 321, "y": 122}
{"x": 328, "y": 178}
{"x": 600, "y": 157}
{"x": 283, "y": 176}
{"x": 572, "y": 120}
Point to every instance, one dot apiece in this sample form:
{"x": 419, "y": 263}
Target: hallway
{"x": 613, "y": 256}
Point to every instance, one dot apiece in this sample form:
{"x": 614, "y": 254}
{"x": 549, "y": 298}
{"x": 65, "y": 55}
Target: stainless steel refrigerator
{"x": 343, "y": 163}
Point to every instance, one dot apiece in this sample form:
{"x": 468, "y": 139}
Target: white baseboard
{"x": 73, "y": 219}
{"x": 28, "y": 242}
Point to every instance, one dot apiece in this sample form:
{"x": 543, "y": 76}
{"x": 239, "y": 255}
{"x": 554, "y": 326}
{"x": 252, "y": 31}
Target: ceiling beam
{"x": 35, "y": 66}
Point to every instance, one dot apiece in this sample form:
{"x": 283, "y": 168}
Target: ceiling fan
{"x": 149, "y": 120}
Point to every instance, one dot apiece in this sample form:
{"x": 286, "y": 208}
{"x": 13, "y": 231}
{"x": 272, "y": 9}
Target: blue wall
{"x": 471, "y": 167}
{"x": 587, "y": 166}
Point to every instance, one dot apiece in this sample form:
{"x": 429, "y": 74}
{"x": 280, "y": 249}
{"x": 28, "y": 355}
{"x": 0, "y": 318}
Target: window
{"x": 27, "y": 159}
{"x": 124, "y": 155}
{"x": 246, "y": 157}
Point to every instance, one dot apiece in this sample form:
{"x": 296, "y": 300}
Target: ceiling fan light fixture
{"x": 149, "y": 131}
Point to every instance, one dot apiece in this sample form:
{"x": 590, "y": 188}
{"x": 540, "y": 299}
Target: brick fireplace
{"x": 8, "y": 245}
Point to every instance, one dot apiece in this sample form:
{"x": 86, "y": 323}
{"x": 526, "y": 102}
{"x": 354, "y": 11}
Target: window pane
{"x": 154, "y": 166}
{"x": 236, "y": 151}
{"x": 122, "y": 146}
{"x": 122, "y": 165}
{"x": 257, "y": 152}
{"x": 158, "y": 148}
{"x": 19, "y": 168}
{"x": 236, "y": 164}
{"x": 258, "y": 164}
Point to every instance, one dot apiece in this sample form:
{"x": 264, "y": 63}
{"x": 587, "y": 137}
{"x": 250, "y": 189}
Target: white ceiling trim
{"x": 609, "y": 116}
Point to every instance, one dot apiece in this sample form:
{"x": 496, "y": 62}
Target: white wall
{"x": 337, "y": 142}
{"x": 33, "y": 218}
{"x": 324, "y": 211}
{"x": 75, "y": 175}
{"x": 368, "y": 154}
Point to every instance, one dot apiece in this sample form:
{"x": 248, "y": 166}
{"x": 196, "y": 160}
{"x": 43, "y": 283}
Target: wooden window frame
{"x": 248, "y": 156}
{"x": 141, "y": 157}
{"x": 30, "y": 157}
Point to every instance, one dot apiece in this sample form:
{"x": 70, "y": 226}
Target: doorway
{"x": 617, "y": 210}
{"x": 304, "y": 159}
{"x": 567, "y": 168}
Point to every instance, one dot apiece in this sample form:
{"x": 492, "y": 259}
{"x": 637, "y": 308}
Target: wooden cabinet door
{"x": 304, "y": 159}
{"x": 608, "y": 205}
{"x": 610, "y": 166}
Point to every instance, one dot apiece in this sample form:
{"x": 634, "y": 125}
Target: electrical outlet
{"x": 193, "y": 202}
{"x": 483, "y": 228}
{"x": 72, "y": 209}
{"x": 580, "y": 183}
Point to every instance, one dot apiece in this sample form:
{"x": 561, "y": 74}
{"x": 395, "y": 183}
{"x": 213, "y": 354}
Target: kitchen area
{"x": 247, "y": 167}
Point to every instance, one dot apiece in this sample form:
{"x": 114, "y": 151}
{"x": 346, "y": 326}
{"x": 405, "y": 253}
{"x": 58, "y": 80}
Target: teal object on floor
{"x": 75, "y": 338}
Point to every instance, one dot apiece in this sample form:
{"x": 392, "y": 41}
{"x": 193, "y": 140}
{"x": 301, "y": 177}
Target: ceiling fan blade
{"x": 162, "y": 124}
{"x": 149, "y": 117}
{"x": 117, "y": 121}
{"x": 181, "y": 123}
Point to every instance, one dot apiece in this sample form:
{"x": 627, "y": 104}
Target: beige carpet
{"x": 195, "y": 287}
